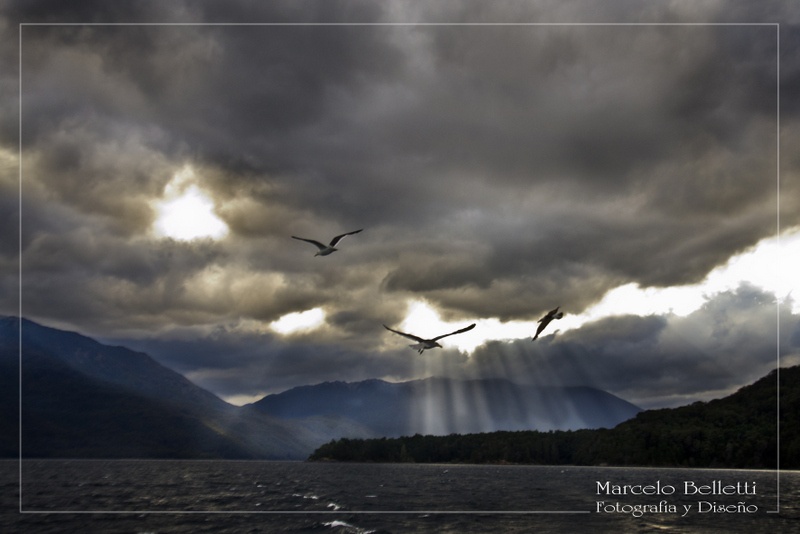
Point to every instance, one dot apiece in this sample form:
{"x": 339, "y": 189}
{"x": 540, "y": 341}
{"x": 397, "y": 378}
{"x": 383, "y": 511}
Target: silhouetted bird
{"x": 324, "y": 250}
{"x": 552, "y": 314}
{"x": 423, "y": 344}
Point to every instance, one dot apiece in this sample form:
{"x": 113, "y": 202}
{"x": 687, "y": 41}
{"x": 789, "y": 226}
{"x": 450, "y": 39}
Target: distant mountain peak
{"x": 448, "y": 405}
{"x": 82, "y": 398}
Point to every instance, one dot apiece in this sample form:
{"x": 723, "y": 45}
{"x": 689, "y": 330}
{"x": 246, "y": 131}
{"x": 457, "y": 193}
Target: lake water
{"x": 129, "y": 496}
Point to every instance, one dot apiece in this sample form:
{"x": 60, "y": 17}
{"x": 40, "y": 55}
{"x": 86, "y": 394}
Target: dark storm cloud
{"x": 112, "y": 285}
{"x": 497, "y": 170}
{"x": 298, "y": 110}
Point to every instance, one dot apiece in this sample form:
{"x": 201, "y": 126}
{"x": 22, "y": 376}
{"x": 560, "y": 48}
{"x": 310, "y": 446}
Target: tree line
{"x": 739, "y": 431}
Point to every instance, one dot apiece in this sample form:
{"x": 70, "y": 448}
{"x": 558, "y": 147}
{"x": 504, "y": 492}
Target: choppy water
{"x": 250, "y": 496}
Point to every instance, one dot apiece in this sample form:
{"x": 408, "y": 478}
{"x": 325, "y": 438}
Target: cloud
{"x": 235, "y": 359}
{"x": 659, "y": 360}
{"x": 652, "y": 361}
{"x": 498, "y": 171}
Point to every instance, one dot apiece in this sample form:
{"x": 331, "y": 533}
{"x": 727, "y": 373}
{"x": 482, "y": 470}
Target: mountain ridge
{"x": 81, "y": 398}
{"x": 474, "y": 405}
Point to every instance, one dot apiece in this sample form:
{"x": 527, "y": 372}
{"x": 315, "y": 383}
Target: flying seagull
{"x": 324, "y": 250}
{"x": 552, "y": 314}
{"x": 423, "y": 344}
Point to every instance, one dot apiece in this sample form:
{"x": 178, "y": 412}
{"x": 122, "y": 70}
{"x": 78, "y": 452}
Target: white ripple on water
{"x": 308, "y": 496}
{"x": 347, "y": 526}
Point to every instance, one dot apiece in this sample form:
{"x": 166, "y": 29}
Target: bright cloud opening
{"x": 424, "y": 321}
{"x": 769, "y": 265}
{"x": 186, "y": 212}
{"x": 292, "y": 323}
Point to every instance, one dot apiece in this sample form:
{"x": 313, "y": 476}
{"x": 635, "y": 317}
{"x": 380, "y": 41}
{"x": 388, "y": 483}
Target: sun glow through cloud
{"x": 298, "y": 321}
{"x": 186, "y": 212}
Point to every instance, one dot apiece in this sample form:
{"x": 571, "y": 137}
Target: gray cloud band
{"x": 498, "y": 170}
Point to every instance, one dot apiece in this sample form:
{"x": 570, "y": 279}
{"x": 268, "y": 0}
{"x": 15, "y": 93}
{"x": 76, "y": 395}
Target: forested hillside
{"x": 739, "y": 431}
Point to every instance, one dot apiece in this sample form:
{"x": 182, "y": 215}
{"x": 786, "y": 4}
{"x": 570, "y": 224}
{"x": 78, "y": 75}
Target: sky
{"x": 630, "y": 162}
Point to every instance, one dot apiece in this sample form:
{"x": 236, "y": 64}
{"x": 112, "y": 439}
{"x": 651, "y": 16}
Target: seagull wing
{"x": 549, "y": 316}
{"x": 317, "y": 243}
{"x": 409, "y": 336}
{"x": 470, "y": 327}
{"x": 339, "y": 237}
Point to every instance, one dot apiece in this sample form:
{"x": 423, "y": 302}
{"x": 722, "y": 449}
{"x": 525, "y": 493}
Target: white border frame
{"x": 294, "y": 512}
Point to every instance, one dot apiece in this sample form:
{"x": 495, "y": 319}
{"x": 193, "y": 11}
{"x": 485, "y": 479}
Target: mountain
{"x": 738, "y": 431}
{"x": 445, "y": 406}
{"x": 81, "y": 398}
